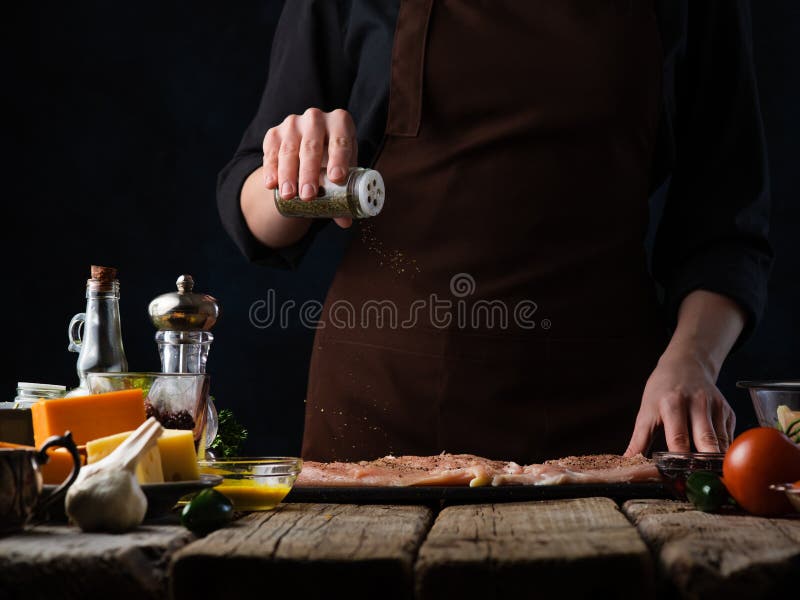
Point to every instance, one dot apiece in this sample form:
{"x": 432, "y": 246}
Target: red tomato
{"x": 757, "y": 458}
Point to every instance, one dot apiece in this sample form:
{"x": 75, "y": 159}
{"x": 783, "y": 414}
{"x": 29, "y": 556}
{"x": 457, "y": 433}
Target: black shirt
{"x": 710, "y": 154}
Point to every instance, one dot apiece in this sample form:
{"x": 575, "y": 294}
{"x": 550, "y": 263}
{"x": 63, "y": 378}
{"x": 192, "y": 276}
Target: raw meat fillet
{"x": 474, "y": 471}
{"x": 599, "y": 468}
{"x": 444, "y": 469}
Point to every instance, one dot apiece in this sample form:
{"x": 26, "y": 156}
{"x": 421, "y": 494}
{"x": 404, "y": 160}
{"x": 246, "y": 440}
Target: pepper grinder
{"x": 183, "y": 320}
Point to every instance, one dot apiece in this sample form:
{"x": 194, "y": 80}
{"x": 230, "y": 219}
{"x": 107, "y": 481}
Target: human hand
{"x": 296, "y": 150}
{"x": 681, "y": 395}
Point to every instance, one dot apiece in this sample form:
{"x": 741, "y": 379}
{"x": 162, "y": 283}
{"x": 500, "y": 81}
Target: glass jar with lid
{"x": 30, "y": 393}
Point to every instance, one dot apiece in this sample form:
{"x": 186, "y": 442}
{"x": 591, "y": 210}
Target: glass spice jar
{"x": 359, "y": 197}
{"x": 30, "y": 393}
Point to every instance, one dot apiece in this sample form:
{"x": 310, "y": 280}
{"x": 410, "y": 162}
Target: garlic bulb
{"x": 106, "y": 495}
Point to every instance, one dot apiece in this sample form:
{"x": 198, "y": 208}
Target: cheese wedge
{"x": 88, "y": 417}
{"x": 173, "y": 459}
{"x": 147, "y": 471}
{"x": 178, "y": 456}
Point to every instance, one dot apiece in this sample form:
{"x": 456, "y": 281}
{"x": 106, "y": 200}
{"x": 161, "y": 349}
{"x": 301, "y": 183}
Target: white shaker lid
{"x": 370, "y": 192}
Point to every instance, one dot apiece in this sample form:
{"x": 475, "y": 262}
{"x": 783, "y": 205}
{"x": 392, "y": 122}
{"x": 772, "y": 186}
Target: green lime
{"x": 706, "y": 491}
{"x": 207, "y": 511}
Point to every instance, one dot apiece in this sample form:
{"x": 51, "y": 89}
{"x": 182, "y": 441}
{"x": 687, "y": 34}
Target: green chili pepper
{"x": 207, "y": 511}
{"x": 706, "y": 491}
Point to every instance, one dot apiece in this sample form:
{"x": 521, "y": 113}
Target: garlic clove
{"x": 106, "y": 495}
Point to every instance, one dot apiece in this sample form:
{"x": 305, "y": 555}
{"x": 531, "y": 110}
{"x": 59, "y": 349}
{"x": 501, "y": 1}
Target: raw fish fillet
{"x": 598, "y": 468}
{"x": 444, "y": 470}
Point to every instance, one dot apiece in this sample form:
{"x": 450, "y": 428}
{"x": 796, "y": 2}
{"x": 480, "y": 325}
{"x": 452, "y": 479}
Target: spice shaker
{"x": 97, "y": 334}
{"x": 359, "y": 197}
{"x": 183, "y": 320}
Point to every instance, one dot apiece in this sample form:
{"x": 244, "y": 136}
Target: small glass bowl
{"x": 792, "y": 491}
{"x": 676, "y": 467}
{"x": 770, "y": 398}
{"x": 176, "y": 400}
{"x": 254, "y": 484}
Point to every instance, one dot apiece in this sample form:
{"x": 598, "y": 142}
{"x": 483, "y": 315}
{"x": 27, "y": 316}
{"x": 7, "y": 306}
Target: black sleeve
{"x": 307, "y": 68}
{"x": 713, "y": 232}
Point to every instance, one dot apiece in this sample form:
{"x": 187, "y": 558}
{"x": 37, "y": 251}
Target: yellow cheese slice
{"x": 178, "y": 456}
{"x": 147, "y": 471}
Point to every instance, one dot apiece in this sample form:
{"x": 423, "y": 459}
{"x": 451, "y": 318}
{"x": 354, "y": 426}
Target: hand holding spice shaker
{"x": 360, "y": 196}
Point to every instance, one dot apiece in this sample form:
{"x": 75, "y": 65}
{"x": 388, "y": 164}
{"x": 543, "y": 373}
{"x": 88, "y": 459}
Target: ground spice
{"x": 394, "y": 259}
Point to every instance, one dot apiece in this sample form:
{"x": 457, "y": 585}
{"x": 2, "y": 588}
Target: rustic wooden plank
{"x": 308, "y": 551}
{"x": 703, "y": 555}
{"x": 569, "y": 548}
{"x": 61, "y": 562}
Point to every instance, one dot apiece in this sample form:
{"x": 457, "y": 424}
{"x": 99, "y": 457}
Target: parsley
{"x": 231, "y": 435}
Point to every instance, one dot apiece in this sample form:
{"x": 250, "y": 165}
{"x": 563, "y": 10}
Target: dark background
{"x": 120, "y": 116}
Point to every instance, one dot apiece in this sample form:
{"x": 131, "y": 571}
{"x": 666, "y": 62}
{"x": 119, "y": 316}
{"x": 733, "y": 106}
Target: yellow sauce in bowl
{"x": 250, "y": 494}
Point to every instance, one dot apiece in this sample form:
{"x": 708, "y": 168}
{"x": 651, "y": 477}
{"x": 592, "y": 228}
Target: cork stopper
{"x": 103, "y": 274}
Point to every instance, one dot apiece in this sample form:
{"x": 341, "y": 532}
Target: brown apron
{"x": 500, "y": 304}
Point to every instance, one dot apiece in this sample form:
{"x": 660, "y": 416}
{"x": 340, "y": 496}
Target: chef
{"x": 519, "y": 143}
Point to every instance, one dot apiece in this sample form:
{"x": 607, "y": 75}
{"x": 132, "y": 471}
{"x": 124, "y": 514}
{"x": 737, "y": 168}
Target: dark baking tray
{"x": 467, "y": 495}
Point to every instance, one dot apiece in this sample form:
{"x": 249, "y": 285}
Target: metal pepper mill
{"x": 183, "y": 320}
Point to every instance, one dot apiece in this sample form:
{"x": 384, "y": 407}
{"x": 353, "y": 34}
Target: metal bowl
{"x": 768, "y": 399}
{"x": 792, "y": 491}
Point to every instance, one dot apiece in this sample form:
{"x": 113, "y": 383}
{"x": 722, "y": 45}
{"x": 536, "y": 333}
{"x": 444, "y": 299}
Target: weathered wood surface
{"x": 565, "y": 548}
{"x": 703, "y": 555}
{"x": 560, "y": 548}
{"x": 60, "y": 562}
{"x": 308, "y": 551}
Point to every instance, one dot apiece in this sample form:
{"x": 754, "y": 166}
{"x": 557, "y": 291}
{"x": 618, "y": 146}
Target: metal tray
{"x": 467, "y": 495}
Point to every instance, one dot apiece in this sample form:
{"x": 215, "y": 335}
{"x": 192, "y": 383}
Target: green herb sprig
{"x": 231, "y": 436}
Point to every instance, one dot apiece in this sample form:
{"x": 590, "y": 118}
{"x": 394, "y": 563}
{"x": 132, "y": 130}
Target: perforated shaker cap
{"x": 370, "y": 192}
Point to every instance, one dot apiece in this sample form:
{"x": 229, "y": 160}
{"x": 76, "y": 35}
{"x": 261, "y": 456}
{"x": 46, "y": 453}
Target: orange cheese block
{"x": 58, "y": 467}
{"x": 88, "y": 417}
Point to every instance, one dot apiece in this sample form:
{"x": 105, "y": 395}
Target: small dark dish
{"x": 675, "y": 467}
{"x": 792, "y": 491}
{"x": 161, "y": 497}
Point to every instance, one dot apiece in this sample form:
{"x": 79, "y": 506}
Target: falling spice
{"x": 396, "y": 260}
{"x": 360, "y": 197}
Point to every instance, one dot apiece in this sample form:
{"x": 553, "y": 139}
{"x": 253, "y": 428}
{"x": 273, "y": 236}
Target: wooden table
{"x": 579, "y": 548}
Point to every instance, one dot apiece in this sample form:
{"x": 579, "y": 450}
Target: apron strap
{"x": 408, "y": 60}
